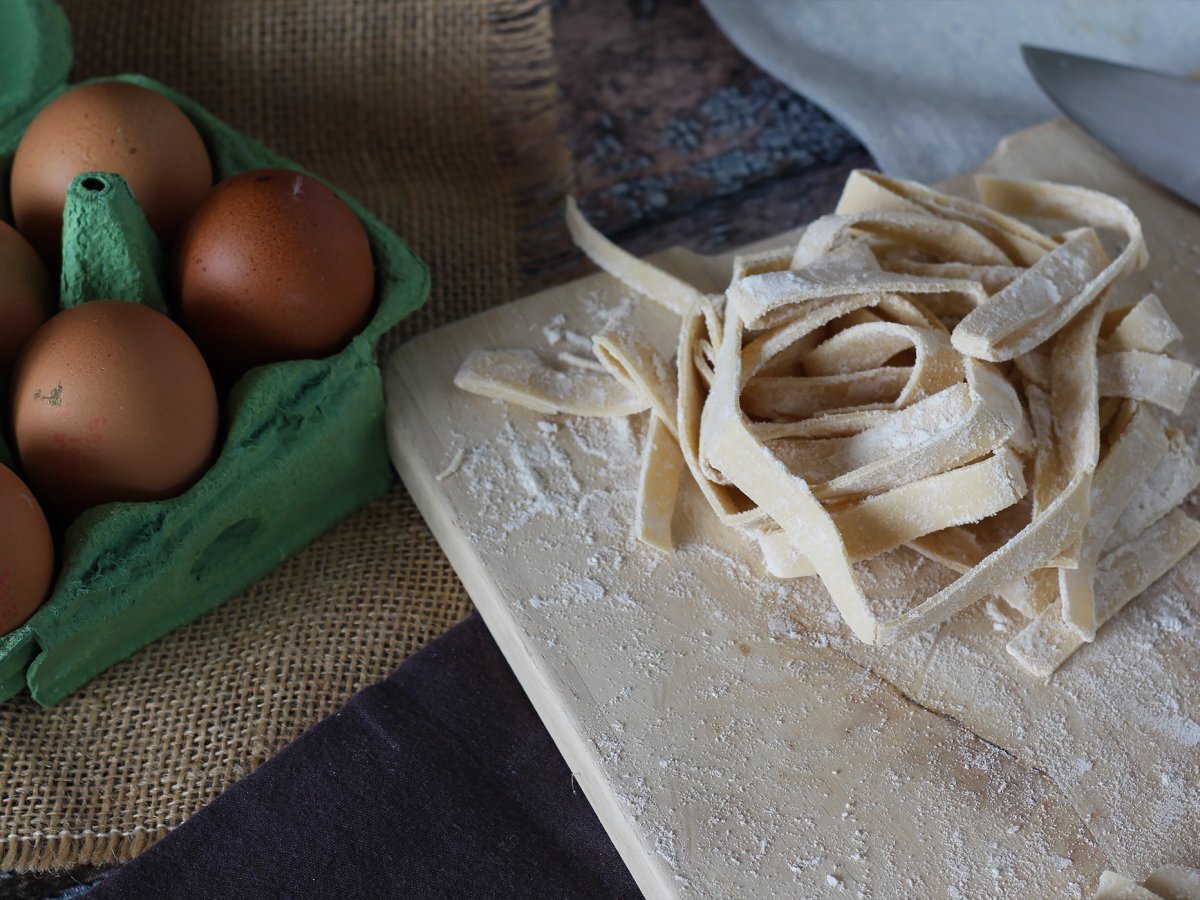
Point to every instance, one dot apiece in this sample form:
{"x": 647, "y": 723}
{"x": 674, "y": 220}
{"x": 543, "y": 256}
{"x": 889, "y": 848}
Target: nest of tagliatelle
{"x": 921, "y": 370}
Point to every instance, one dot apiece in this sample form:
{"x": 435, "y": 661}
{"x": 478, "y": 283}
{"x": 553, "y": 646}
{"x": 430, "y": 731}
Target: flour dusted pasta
{"x": 919, "y": 370}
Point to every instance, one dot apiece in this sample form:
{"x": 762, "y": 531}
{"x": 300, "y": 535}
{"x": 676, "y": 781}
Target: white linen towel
{"x": 930, "y": 86}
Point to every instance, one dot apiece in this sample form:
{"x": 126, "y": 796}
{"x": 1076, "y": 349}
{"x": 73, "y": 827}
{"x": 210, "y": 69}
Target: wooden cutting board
{"x": 733, "y": 738}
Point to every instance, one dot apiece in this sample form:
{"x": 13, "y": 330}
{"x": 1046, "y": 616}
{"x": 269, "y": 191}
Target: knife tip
{"x": 1042, "y": 61}
{"x": 1034, "y": 54}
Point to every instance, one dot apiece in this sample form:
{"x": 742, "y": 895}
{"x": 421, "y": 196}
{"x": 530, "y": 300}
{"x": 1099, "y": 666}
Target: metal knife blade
{"x": 1150, "y": 119}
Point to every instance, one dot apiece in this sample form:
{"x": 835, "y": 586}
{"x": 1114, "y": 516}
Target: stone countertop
{"x": 679, "y": 139}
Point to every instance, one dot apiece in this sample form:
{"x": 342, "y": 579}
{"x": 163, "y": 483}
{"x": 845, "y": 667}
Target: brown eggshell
{"x": 26, "y": 552}
{"x": 273, "y": 266}
{"x": 108, "y": 126}
{"x": 112, "y": 401}
{"x": 26, "y": 300}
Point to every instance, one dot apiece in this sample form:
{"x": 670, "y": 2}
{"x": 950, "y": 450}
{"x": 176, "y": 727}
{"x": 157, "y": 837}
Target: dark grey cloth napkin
{"x": 437, "y": 782}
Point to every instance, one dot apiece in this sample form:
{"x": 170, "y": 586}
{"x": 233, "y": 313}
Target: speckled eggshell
{"x": 26, "y": 299}
{"x": 112, "y": 401}
{"x": 26, "y": 552}
{"x": 273, "y": 266}
{"x": 108, "y": 126}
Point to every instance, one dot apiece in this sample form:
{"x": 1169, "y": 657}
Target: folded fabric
{"x": 930, "y": 86}
{"x": 437, "y": 782}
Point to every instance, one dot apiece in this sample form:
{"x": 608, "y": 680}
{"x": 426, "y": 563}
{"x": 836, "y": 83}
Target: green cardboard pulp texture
{"x": 303, "y": 442}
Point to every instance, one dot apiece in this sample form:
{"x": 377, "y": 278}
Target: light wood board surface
{"x": 733, "y": 738}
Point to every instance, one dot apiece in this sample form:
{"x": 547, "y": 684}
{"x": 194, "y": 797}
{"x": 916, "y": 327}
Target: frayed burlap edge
{"x": 67, "y": 849}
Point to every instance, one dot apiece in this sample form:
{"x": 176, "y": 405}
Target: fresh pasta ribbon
{"x": 918, "y": 370}
{"x": 1145, "y": 326}
{"x": 647, "y": 279}
{"x": 1152, "y": 377}
{"x": 1128, "y": 463}
{"x": 518, "y": 376}
{"x": 884, "y": 521}
{"x": 642, "y": 371}
{"x": 658, "y": 483}
{"x": 1047, "y": 642}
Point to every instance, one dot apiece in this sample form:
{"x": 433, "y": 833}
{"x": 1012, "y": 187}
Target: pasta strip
{"x": 1047, "y": 200}
{"x": 518, "y": 376}
{"x": 762, "y": 352}
{"x": 1045, "y": 460}
{"x": 866, "y": 191}
{"x": 776, "y": 259}
{"x": 1028, "y": 549}
{"x": 991, "y": 334}
{"x": 1074, "y": 445}
{"x": 905, "y": 310}
{"x": 1174, "y": 881}
{"x": 1127, "y": 464}
{"x": 771, "y": 298}
{"x": 1144, "y": 327}
{"x": 702, "y": 357}
{"x": 1034, "y": 367}
{"x": 927, "y": 233}
{"x": 781, "y": 557}
{"x": 993, "y": 278}
{"x": 728, "y": 442}
{"x": 858, "y": 317}
{"x": 768, "y": 397}
{"x": 869, "y": 435}
{"x": 1047, "y": 642}
{"x": 1138, "y": 375}
{"x": 959, "y": 550}
{"x": 642, "y": 370}
{"x": 790, "y": 359}
{"x": 868, "y": 345}
{"x": 658, "y": 485}
{"x": 670, "y": 292}
{"x": 992, "y": 418}
{"x": 1175, "y": 477}
{"x": 885, "y": 521}
{"x": 713, "y": 309}
{"x": 1114, "y": 886}
{"x": 729, "y": 505}
{"x": 1037, "y": 303}
{"x": 936, "y": 435}
{"x": 937, "y": 364}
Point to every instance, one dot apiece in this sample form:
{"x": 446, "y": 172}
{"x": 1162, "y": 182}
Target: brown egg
{"x": 108, "y": 126}
{"x": 26, "y": 300}
{"x": 273, "y": 266}
{"x": 112, "y": 401}
{"x": 26, "y": 552}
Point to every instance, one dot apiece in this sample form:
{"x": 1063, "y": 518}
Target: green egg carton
{"x": 302, "y": 445}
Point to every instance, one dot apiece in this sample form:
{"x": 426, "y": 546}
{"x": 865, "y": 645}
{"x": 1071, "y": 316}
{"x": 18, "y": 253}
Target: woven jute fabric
{"x": 440, "y": 116}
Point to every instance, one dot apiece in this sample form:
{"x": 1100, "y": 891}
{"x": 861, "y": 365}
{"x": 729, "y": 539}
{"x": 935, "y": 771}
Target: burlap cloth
{"x": 440, "y": 116}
